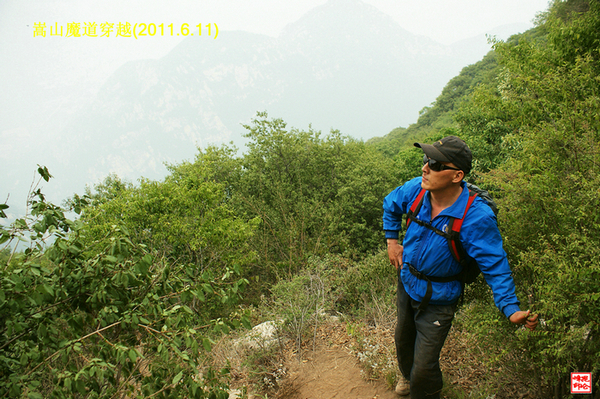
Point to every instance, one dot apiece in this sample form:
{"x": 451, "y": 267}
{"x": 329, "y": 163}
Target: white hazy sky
{"x": 442, "y": 20}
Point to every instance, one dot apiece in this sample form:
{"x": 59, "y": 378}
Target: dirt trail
{"x": 330, "y": 371}
{"x": 329, "y": 367}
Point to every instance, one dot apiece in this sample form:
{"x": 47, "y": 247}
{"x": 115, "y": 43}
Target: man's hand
{"x": 395, "y": 251}
{"x": 522, "y": 317}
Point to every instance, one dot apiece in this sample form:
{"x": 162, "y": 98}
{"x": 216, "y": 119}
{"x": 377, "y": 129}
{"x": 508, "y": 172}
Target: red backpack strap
{"x": 415, "y": 207}
{"x": 456, "y": 248}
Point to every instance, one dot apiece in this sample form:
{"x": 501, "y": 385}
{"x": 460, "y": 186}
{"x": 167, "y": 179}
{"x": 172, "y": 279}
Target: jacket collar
{"x": 456, "y": 210}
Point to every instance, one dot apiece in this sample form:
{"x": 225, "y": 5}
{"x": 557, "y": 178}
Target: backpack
{"x": 470, "y": 269}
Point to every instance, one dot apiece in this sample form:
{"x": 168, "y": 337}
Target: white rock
{"x": 263, "y": 335}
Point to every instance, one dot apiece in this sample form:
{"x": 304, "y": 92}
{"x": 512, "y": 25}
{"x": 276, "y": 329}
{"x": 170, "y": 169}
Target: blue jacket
{"x": 428, "y": 252}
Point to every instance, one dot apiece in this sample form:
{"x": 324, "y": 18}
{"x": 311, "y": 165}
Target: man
{"x": 426, "y": 308}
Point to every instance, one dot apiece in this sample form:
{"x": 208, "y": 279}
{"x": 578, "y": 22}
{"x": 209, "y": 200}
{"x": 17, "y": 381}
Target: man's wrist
{"x": 391, "y": 234}
{"x": 511, "y": 309}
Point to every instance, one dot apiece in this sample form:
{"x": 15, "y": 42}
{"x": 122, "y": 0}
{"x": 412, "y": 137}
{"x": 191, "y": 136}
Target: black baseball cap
{"x": 449, "y": 149}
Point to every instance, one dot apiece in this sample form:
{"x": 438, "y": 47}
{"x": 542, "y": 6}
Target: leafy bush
{"x": 547, "y": 186}
{"x": 104, "y": 316}
{"x": 313, "y": 195}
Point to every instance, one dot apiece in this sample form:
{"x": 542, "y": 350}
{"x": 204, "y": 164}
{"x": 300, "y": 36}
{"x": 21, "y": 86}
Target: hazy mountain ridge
{"x": 343, "y": 65}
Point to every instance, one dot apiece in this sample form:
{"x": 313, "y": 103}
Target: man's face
{"x": 438, "y": 176}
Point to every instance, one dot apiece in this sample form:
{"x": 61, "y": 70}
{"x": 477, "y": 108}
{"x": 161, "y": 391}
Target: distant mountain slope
{"x": 440, "y": 114}
{"x": 343, "y": 65}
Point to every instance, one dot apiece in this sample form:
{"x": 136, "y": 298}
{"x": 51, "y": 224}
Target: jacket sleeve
{"x": 397, "y": 204}
{"x": 483, "y": 242}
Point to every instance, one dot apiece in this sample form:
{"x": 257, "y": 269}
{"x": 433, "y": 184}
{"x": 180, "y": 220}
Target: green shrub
{"x": 103, "y": 317}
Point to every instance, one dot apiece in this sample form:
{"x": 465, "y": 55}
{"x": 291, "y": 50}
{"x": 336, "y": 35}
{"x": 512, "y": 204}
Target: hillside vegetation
{"x": 128, "y": 299}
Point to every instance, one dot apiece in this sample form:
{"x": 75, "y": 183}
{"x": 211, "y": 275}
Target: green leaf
{"x": 5, "y": 236}
{"x": 207, "y": 343}
{"x": 43, "y": 171}
{"x": 133, "y": 355}
{"x": 246, "y": 322}
{"x": 200, "y": 294}
{"x": 2, "y": 208}
{"x": 111, "y": 258}
{"x": 80, "y": 386}
{"x": 42, "y": 333}
{"x": 177, "y": 378}
{"x": 207, "y": 288}
{"x": 48, "y": 289}
{"x": 24, "y": 359}
{"x": 143, "y": 267}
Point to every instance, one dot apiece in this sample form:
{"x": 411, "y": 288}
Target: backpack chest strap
{"x": 454, "y": 225}
{"x": 433, "y": 228}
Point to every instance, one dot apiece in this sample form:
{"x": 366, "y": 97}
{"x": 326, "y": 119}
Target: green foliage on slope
{"x": 550, "y": 184}
{"x": 530, "y": 111}
{"x": 314, "y": 195}
{"x": 97, "y": 314}
{"x": 126, "y": 298}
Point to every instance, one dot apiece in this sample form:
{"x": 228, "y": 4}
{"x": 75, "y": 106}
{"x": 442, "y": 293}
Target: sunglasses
{"x": 435, "y": 165}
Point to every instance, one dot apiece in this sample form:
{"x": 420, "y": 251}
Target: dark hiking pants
{"x": 419, "y": 336}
